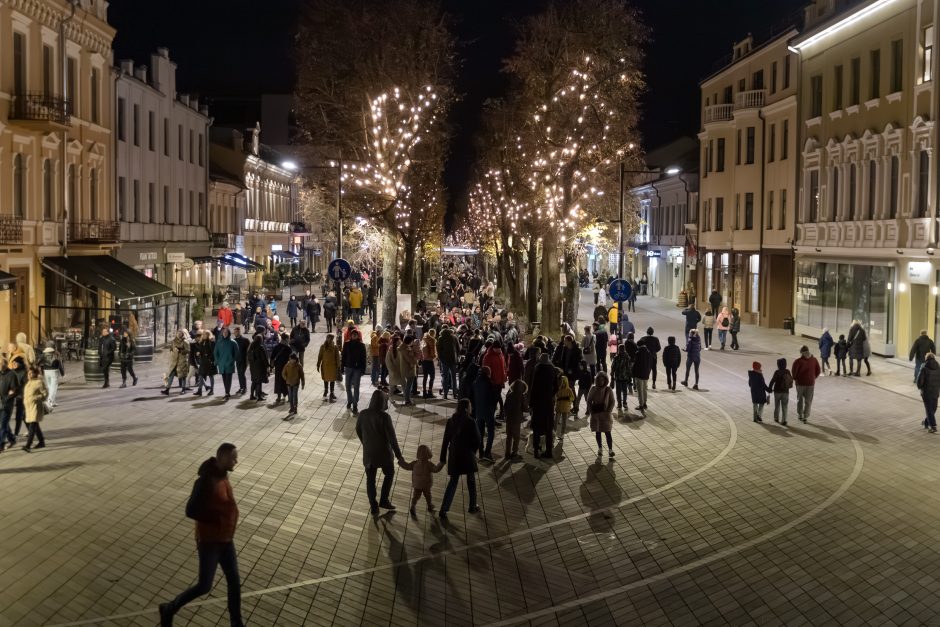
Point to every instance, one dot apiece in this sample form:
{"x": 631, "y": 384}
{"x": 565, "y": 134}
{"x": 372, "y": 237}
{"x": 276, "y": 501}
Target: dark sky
{"x": 242, "y": 47}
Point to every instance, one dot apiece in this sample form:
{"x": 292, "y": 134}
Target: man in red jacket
{"x": 494, "y": 359}
{"x": 215, "y": 531}
{"x": 805, "y": 370}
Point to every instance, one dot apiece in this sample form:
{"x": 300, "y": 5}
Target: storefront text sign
{"x": 175, "y": 257}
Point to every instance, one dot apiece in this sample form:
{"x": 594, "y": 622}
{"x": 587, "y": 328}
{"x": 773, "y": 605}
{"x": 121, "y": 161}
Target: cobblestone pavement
{"x": 703, "y": 517}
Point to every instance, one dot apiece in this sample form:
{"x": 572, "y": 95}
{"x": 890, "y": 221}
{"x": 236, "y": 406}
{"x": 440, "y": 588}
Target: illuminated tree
{"x": 577, "y": 68}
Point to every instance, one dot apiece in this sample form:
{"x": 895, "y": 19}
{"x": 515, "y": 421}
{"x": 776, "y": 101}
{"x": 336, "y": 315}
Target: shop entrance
{"x": 19, "y": 302}
{"x": 919, "y": 308}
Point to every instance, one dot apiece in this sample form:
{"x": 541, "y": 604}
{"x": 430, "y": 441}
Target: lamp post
{"x": 670, "y": 171}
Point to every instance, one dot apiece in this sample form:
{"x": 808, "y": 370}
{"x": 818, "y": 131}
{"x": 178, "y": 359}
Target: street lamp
{"x": 670, "y": 171}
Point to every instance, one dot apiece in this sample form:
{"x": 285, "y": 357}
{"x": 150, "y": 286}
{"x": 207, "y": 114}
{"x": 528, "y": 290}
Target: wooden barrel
{"x": 144, "y": 351}
{"x": 92, "y": 369}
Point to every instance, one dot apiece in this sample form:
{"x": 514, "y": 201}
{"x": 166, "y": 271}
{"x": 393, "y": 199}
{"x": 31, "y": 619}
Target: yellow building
{"x": 56, "y": 166}
{"x": 748, "y": 173}
{"x": 867, "y": 228}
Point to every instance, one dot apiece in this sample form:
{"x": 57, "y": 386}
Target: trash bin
{"x": 788, "y": 324}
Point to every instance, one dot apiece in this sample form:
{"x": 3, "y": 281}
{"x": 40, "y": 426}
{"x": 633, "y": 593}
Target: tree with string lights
{"x": 577, "y": 68}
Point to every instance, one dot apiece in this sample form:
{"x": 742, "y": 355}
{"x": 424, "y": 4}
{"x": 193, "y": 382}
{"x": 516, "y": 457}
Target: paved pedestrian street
{"x": 702, "y": 518}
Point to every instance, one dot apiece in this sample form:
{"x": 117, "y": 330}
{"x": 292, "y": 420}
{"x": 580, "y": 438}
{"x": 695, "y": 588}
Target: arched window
{"x": 19, "y": 187}
{"x": 872, "y": 189}
{"x": 834, "y": 193}
{"x": 72, "y": 202}
{"x": 93, "y": 194}
{"x": 48, "y": 191}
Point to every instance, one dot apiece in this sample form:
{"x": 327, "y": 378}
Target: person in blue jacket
{"x": 825, "y": 350}
{"x": 759, "y": 390}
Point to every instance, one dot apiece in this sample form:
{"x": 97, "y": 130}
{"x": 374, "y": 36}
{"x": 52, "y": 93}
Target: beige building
{"x": 56, "y": 162}
{"x": 748, "y": 173}
{"x": 867, "y": 229}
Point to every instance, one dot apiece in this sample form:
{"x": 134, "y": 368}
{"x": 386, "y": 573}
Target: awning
{"x": 240, "y": 261}
{"x": 107, "y": 274}
{"x": 7, "y": 281}
{"x": 286, "y": 256}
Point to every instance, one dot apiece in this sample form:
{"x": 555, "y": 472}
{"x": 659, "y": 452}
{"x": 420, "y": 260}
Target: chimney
{"x": 141, "y": 73}
{"x": 184, "y": 98}
{"x": 163, "y": 52}
{"x": 127, "y": 67}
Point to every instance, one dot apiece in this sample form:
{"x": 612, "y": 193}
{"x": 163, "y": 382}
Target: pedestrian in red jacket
{"x": 805, "y": 370}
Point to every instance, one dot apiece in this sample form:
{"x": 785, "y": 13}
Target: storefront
{"x": 831, "y": 294}
{"x": 666, "y": 271}
{"x": 167, "y": 263}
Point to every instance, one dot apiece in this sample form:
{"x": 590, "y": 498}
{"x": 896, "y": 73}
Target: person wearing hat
{"x": 52, "y": 370}
{"x": 759, "y": 389}
{"x": 805, "y": 371}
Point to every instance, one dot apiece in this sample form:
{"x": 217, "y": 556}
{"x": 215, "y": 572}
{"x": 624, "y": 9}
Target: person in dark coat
{"x": 928, "y": 382}
{"x": 600, "y": 345}
{"x": 300, "y": 339}
{"x": 204, "y": 351}
{"x": 329, "y": 311}
{"x": 106, "y": 349}
{"x": 458, "y": 451}
{"x": 694, "y": 357}
{"x": 375, "y": 431}
{"x": 856, "y": 340}
{"x": 642, "y": 369}
{"x": 922, "y": 345}
{"x": 652, "y": 344}
{"x": 280, "y": 355}
{"x": 258, "y": 367}
{"x": 10, "y": 388}
{"x": 226, "y": 358}
{"x": 542, "y": 403}
{"x": 354, "y": 365}
{"x": 292, "y": 310}
{"x": 126, "y": 352}
{"x": 714, "y": 299}
{"x": 735, "y": 328}
{"x": 514, "y": 364}
{"x": 825, "y": 350}
{"x": 692, "y": 318}
{"x": 484, "y": 410}
{"x": 241, "y": 361}
{"x": 759, "y": 389}
{"x": 447, "y": 350}
{"x": 672, "y": 359}
{"x": 313, "y": 313}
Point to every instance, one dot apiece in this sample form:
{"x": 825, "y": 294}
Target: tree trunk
{"x": 408, "y": 283}
{"x": 551, "y": 293}
{"x": 516, "y": 297}
{"x": 532, "y": 289}
{"x": 572, "y": 291}
{"x": 389, "y": 276}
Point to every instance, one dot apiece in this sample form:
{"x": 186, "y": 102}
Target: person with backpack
{"x": 928, "y": 382}
{"x": 653, "y": 345}
{"x": 735, "y": 328}
{"x": 826, "y": 344}
{"x": 759, "y": 389}
{"x": 52, "y": 370}
{"x": 621, "y": 370}
{"x": 693, "y": 359}
{"x": 921, "y": 347}
{"x": 589, "y": 350}
{"x": 708, "y": 327}
{"x": 780, "y": 384}
{"x": 212, "y": 506}
{"x": 723, "y": 322}
{"x": 692, "y": 318}
{"x": 672, "y": 359}
{"x": 642, "y": 369}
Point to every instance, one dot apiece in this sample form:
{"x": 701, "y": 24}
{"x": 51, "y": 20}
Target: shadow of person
{"x": 345, "y": 427}
{"x": 785, "y": 433}
{"x": 598, "y": 491}
{"x": 524, "y": 480}
{"x": 408, "y": 582}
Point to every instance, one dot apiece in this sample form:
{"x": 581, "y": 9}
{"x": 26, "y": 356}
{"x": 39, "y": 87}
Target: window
{"x": 166, "y": 137}
{"x": 151, "y": 131}
{"x": 897, "y": 69}
{"x": 785, "y": 140}
{"x": 872, "y": 189}
{"x": 737, "y": 148}
{"x": 72, "y": 201}
{"x": 137, "y": 125}
{"x": 71, "y": 77}
{"x": 813, "y": 196}
{"x": 704, "y": 162}
{"x": 742, "y": 85}
{"x": 179, "y": 142}
{"x": 95, "y": 106}
{"x": 757, "y": 80}
{"x": 19, "y": 63}
{"x": 837, "y": 89}
{"x": 749, "y": 157}
{"x": 166, "y": 205}
{"x": 93, "y": 194}
{"x": 726, "y": 95}
{"x": 856, "y": 84}
{"x": 137, "y": 213}
{"x": 769, "y": 219}
{"x": 122, "y": 198}
{"x": 152, "y": 202}
{"x": 923, "y": 185}
{"x": 191, "y": 146}
{"x": 48, "y": 70}
{"x": 834, "y": 192}
{"x": 19, "y": 187}
{"x": 928, "y": 54}
{"x": 748, "y": 211}
{"x": 773, "y": 78}
{"x": 783, "y": 209}
{"x": 893, "y": 191}
{"x": 202, "y": 148}
{"x": 120, "y": 121}
{"x": 721, "y": 155}
{"x": 48, "y": 191}
{"x": 786, "y": 71}
{"x": 737, "y": 212}
{"x": 711, "y": 155}
{"x": 815, "y": 96}
{"x": 192, "y": 212}
{"x": 202, "y": 209}
{"x": 179, "y": 206}
{"x": 852, "y": 209}
{"x": 719, "y": 214}
{"x": 875, "y": 57}
{"x": 773, "y": 143}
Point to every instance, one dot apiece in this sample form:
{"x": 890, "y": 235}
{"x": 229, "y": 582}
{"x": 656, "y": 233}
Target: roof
{"x": 681, "y": 152}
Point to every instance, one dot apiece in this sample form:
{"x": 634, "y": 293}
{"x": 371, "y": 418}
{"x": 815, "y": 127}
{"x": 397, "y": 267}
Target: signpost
{"x": 339, "y": 269}
{"x": 620, "y": 290}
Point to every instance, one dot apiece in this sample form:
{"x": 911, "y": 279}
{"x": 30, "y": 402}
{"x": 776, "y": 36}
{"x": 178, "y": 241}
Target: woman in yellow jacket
{"x": 328, "y": 362}
{"x": 564, "y": 399}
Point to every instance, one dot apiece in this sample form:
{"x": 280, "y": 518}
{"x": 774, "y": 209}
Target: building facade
{"x": 161, "y": 175}
{"x": 56, "y": 160}
{"x": 748, "y": 169}
{"x": 867, "y": 228}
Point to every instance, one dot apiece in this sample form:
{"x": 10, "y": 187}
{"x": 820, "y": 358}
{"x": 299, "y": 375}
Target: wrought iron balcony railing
{"x": 95, "y": 231}
{"x": 11, "y": 230}
{"x": 41, "y": 107}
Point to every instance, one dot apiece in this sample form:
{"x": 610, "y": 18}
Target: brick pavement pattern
{"x": 702, "y": 518}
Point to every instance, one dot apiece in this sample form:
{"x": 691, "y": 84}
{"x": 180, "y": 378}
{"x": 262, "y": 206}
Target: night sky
{"x": 228, "y": 48}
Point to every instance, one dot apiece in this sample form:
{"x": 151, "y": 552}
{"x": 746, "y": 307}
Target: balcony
{"x": 11, "y": 230}
{"x": 41, "y": 109}
{"x": 95, "y": 232}
{"x": 718, "y": 113}
{"x": 223, "y": 241}
{"x": 753, "y": 99}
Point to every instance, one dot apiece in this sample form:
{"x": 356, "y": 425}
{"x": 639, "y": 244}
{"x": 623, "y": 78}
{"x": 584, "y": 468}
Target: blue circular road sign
{"x": 620, "y": 290}
{"x": 339, "y": 269}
